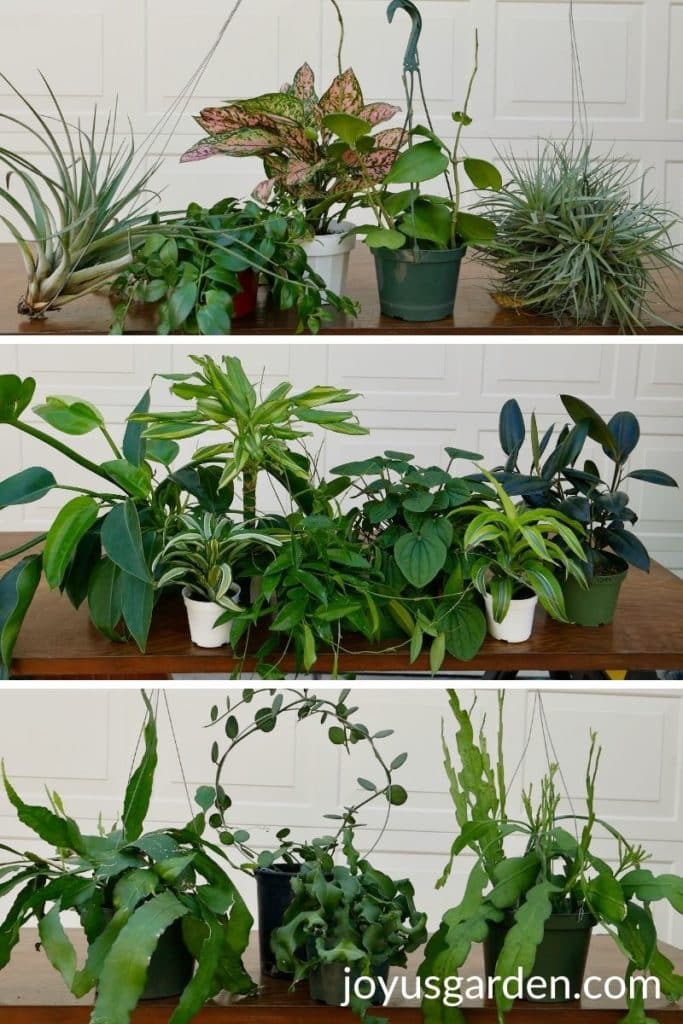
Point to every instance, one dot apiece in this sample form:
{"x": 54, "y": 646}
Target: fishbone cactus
{"x": 304, "y": 163}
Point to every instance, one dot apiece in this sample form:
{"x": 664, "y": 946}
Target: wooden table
{"x": 647, "y": 633}
{"x": 476, "y": 312}
{"x": 31, "y": 992}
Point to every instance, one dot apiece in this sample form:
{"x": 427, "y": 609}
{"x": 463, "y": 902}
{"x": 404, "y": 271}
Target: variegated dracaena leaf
{"x": 344, "y": 96}
{"x": 377, "y": 113}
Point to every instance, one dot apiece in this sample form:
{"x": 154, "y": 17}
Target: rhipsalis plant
{"x": 560, "y": 873}
{"x": 128, "y": 888}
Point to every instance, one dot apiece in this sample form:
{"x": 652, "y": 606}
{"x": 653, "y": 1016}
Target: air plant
{"x": 574, "y": 243}
{"x": 85, "y": 216}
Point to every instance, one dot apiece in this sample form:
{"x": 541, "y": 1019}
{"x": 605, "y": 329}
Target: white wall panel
{"x": 81, "y": 743}
{"x": 145, "y": 51}
{"x": 420, "y": 398}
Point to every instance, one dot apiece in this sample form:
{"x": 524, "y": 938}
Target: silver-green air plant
{"x": 79, "y": 221}
{"x": 580, "y": 238}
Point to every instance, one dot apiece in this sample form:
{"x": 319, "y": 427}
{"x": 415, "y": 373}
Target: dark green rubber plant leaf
{"x": 17, "y": 590}
{"x": 137, "y": 605}
{"x": 29, "y": 485}
{"x": 124, "y": 974}
{"x": 122, "y": 540}
{"x": 68, "y": 529}
{"x": 134, "y": 446}
{"x": 104, "y": 598}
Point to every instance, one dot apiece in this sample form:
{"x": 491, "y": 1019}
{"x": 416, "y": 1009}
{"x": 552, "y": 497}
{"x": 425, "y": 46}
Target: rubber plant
{"x": 127, "y": 887}
{"x": 560, "y": 872}
{"x": 253, "y": 432}
{"x": 101, "y": 544}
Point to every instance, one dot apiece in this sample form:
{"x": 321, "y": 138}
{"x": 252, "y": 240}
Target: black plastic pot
{"x": 562, "y": 954}
{"x": 329, "y": 983}
{"x": 274, "y": 894}
{"x": 171, "y": 966}
{"x": 597, "y": 605}
{"x": 418, "y": 284}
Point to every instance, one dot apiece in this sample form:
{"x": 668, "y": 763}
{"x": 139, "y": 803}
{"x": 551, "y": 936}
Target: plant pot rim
{"x": 417, "y": 255}
{"x": 620, "y": 565}
{"x": 518, "y": 601}
{"x": 560, "y": 922}
{"x": 279, "y": 869}
{"x": 235, "y": 591}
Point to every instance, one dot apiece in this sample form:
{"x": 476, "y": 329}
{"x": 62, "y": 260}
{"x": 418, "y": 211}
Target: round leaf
{"x": 419, "y": 163}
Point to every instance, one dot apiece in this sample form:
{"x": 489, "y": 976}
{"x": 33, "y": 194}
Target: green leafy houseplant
{"x": 575, "y": 242}
{"x": 347, "y": 915}
{"x": 195, "y": 268}
{"x": 514, "y": 551}
{"x": 85, "y": 216}
{"x": 601, "y": 507}
{"x": 559, "y": 879}
{"x": 128, "y": 889}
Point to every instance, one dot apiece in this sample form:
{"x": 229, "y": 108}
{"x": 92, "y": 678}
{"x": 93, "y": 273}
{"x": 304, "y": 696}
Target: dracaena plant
{"x": 560, "y": 479}
{"x": 201, "y": 554}
{"x": 85, "y": 216}
{"x": 560, "y": 872}
{"x": 292, "y": 131}
{"x": 254, "y": 432}
{"x": 513, "y": 549}
{"x": 127, "y": 887}
{"x": 101, "y": 544}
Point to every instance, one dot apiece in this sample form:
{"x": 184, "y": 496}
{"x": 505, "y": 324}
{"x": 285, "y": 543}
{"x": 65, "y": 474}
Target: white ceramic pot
{"x": 329, "y": 256}
{"x": 202, "y": 616}
{"x": 517, "y": 625}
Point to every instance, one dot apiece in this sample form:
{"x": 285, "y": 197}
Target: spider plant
{"x": 574, "y": 243}
{"x": 83, "y": 218}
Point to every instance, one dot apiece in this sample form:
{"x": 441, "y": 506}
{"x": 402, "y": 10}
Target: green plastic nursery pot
{"x": 418, "y": 284}
{"x": 597, "y": 605}
{"x": 273, "y": 895}
{"x": 562, "y": 955}
{"x": 171, "y": 966}
{"x": 329, "y": 983}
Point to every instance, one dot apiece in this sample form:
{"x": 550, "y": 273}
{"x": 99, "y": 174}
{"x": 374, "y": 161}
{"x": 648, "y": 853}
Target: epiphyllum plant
{"x": 293, "y": 132}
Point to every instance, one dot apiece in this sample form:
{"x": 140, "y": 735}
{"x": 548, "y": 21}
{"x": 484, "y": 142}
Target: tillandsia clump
{"x": 293, "y": 132}
{"x": 84, "y": 217}
{"x": 573, "y": 243}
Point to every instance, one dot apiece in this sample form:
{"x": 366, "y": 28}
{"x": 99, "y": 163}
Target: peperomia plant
{"x": 559, "y": 874}
{"x": 292, "y": 131}
{"x": 128, "y": 888}
{"x": 559, "y": 480}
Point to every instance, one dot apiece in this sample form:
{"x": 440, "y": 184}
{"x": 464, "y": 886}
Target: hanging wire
{"x": 178, "y": 755}
{"x": 579, "y": 108}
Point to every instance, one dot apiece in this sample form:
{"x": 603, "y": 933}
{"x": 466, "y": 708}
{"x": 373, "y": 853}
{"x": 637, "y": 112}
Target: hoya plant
{"x": 560, "y": 873}
{"x": 128, "y": 888}
{"x": 292, "y": 132}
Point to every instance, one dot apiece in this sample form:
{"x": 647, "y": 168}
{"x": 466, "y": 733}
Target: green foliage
{"x": 558, "y": 874}
{"x": 84, "y": 217}
{"x": 579, "y": 238}
{"x": 127, "y": 889}
{"x": 193, "y": 267}
{"x": 292, "y": 132}
{"x": 600, "y": 508}
{"x": 350, "y": 914}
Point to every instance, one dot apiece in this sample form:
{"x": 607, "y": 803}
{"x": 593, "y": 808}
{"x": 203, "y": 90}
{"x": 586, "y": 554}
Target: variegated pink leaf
{"x": 200, "y": 151}
{"x": 263, "y": 191}
{"x": 297, "y": 172}
{"x": 391, "y": 138}
{"x": 378, "y": 163}
{"x": 278, "y": 105}
{"x": 377, "y": 113}
{"x": 344, "y": 96}
{"x": 217, "y": 120}
{"x": 246, "y": 142}
{"x": 303, "y": 86}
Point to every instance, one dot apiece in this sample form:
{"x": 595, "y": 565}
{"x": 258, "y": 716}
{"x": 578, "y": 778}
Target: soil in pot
{"x": 562, "y": 955}
{"x": 329, "y": 983}
{"x": 597, "y": 605}
{"x": 273, "y": 895}
{"x": 418, "y": 284}
{"x": 518, "y": 624}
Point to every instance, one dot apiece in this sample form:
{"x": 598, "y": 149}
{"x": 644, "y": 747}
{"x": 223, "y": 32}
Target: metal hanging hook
{"x": 411, "y": 62}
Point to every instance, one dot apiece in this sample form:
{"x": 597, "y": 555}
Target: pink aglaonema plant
{"x": 305, "y": 164}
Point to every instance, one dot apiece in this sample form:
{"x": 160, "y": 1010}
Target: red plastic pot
{"x": 244, "y": 302}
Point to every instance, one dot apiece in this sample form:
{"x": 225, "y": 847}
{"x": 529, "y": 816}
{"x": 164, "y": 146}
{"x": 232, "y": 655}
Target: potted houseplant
{"x": 601, "y": 507}
{"x": 151, "y": 904}
{"x": 200, "y": 555}
{"x": 535, "y": 912}
{"x": 579, "y": 238}
{"x": 345, "y": 922}
{"x": 275, "y": 867}
{"x": 202, "y": 269}
{"x": 308, "y": 171}
{"x": 514, "y": 558}
{"x": 420, "y": 239}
